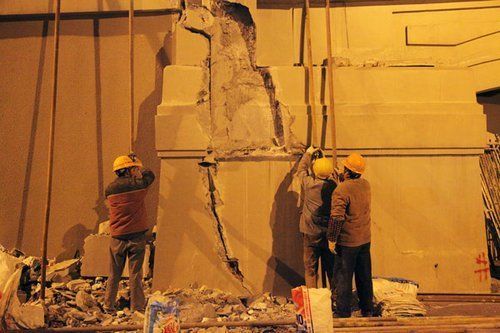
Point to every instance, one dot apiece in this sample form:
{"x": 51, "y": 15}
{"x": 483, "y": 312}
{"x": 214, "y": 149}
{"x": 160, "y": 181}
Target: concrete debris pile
{"x": 206, "y": 304}
{"x": 79, "y": 303}
{"x": 73, "y": 301}
{"x": 18, "y": 282}
{"x": 397, "y": 298}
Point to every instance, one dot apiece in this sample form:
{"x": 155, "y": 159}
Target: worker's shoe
{"x": 367, "y": 313}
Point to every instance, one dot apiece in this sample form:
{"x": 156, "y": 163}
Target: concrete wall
{"x": 406, "y": 80}
{"x": 92, "y": 123}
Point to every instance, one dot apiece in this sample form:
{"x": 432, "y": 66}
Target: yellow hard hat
{"x": 125, "y": 161}
{"x": 356, "y": 163}
{"x": 323, "y": 167}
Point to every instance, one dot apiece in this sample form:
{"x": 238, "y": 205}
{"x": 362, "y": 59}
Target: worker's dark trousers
{"x": 316, "y": 247}
{"x": 357, "y": 261}
{"x": 121, "y": 249}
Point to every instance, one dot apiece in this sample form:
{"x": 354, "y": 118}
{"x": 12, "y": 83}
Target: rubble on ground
{"x": 74, "y": 301}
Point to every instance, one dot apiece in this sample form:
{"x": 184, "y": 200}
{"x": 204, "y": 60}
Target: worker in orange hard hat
{"x": 127, "y": 217}
{"x": 349, "y": 238}
{"x": 317, "y": 187}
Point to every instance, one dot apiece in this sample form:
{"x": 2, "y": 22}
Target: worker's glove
{"x": 331, "y": 247}
{"x": 311, "y": 150}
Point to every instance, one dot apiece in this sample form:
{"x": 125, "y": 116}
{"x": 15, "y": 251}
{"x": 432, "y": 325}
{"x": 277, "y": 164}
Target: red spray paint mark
{"x": 484, "y": 271}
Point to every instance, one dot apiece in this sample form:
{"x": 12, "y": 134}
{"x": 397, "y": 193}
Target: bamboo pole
{"x": 329, "y": 69}
{"x": 310, "y": 74}
{"x": 131, "y": 71}
{"x": 50, "y": 158}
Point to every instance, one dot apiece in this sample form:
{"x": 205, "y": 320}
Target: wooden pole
{"x": 310, "y": 75}
{"x": 50, "y": 158}
{"x": 330, "y": 84}
{"x": 131, "y": 72}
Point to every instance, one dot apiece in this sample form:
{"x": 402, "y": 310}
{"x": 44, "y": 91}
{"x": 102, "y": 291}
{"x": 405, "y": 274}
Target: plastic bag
{"x": 162, "y": 315}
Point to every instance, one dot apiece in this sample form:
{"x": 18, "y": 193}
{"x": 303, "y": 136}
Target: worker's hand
{"x": 132, "y": 156}
{"x": 311, "y": 150}
{"x": 136, "y": 172}
{"x": 331, "y": 247}
{"x": 338, "y": 175}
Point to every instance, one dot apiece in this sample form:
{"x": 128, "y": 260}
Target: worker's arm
{"x": 305, "y": 165}
{"x": 145, "y": 177}
{"x": 337, "y": 216}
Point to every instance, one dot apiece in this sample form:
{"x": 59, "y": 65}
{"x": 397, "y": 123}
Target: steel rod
{"x": 50, "y": 157}
{"x": 329, "y": 69}
{"x": 131, "y": 71}
{"x": 310, "y": 74}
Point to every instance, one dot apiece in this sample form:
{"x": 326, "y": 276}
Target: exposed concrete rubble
{"x": 78, "y": 302}
{"x": 245, "y": 114}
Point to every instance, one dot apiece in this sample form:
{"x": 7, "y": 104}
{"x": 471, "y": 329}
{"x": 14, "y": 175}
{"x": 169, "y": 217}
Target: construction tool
{"x": 50, "y": 158}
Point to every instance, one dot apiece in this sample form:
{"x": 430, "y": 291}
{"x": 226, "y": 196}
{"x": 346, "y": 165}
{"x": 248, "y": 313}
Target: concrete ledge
{"x": 376, "y": 130}
{"x": 377, "y": 85}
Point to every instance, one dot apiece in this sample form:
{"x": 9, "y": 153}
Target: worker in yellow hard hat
{"x": 349, "y": 238}
{"x": 317, "y": 187}
{"x": 128, "y": 224}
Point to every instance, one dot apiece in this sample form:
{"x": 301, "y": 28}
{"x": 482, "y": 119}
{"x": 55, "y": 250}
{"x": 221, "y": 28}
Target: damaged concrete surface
{"x": 258, "y": 119}
{"x": 244, "y": 112}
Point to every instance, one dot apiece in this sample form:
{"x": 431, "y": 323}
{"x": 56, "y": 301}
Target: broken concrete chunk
{"x": 27, "y": 316}
{"x": 62, "y": 271}
{"x": 95, "y": 261}
{"x": 198, "y": 19}
{"x": 84, "y": 300}
{"x": 77, "y": 285}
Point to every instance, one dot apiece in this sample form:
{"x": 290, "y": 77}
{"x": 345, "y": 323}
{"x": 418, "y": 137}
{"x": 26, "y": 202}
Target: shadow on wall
{"x": 490, "y": 101}
{"x": 73, "y": 241}
{"x": 100, "y": 207}
{"x": 285, "y": 266}
{"x": 145, "y": 143}
{"x": 31, "y": 148}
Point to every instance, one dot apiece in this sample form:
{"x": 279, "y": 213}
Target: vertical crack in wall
{"x": 245, "y": 114}
{"x": 209, "y": 170}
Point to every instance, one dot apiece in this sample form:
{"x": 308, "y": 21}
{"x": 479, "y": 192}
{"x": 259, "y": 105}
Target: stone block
{"x": 184, "y": 85}
{"x": 96, "y": 257}
{"x": 396, "y": 126}
{"x": 181, "y": 128}
{"x": 318, "y": 38}
{"x": 188, "y": 48}
{"x": 187, "y": 236}
{"x": 376, "y": 85}
{"x": 274, "y": 37}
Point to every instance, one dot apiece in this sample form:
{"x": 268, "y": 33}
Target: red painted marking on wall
{"x": 484, "y": 271}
